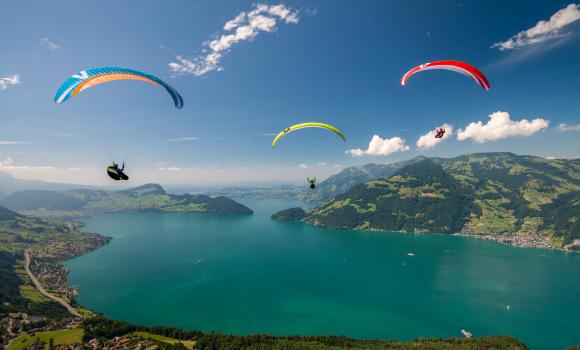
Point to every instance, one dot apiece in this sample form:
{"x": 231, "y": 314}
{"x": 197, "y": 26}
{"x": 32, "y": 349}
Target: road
{"x": 43, "y": 291}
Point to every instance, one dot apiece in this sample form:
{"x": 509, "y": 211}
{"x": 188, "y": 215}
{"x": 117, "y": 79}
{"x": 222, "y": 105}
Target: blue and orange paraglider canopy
{"x": 95, "y": 76}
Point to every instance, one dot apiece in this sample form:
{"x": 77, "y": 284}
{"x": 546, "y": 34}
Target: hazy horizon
{"x": 285, "y": 63}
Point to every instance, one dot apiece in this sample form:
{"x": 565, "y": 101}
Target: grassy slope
{"x": 521, "y": 193}
{"x": 420, "y": 196}
{"x": 481, "y": 193}
{"x": 146, "y": 335}
{"x": 64, "y": 336}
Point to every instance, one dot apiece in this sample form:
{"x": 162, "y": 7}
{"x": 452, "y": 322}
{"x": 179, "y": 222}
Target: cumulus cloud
{"x": 244, "y": 27}
{"x": 500, "y": 126}
{"x": 381, "y": 147}
{"x": 5, "y": 82}
{"x": 51, "y": 45}
{"x": 563, "y": 127}
{"x": 429, "y": 141}
{"x": 544, "y": 30}
{"x": 303, "y": 166}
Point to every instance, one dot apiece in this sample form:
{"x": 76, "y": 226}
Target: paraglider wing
{"x": 116, "y": 173}
{"x": 113, "y": 174}
{"x": 455, "y": 66}
{"x": 91, "y": 77}
{"x": 307, "y": 125}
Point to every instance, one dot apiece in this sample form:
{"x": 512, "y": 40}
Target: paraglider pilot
{"x": 439, "y": 132}
{"x": 312, "y": 182}
{"x": 117, "y": 173}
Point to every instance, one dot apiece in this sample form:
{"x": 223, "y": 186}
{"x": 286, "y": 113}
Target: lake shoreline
{"x": 520, "y": 240}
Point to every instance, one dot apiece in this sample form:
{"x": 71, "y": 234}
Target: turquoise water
{"x": 254, "y": 275}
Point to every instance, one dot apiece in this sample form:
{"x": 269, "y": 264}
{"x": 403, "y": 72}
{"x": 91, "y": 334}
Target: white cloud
{"x": 179, "y": 139}
{"x": 5, "y": 161}
{"x": 543, "y": 30}
{"x": 172, "y": 168}
{"x": 429, "y": 141}
{"x": 244, "y": 27}
{"x": 9, "y": 80}
{"x": 303, "y": 166}
{"x": 51, "y": 45}
{"x": 17, "y": 142}
{"x": 563, "y": 127}
{"x": 183, "y": 65}
{"x": 381, "y": 147}
{"x": 500, "y": 126}
{"x": 322, "y": 163}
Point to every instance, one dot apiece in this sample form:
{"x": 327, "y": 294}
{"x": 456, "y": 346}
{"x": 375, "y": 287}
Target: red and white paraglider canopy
{"x": 455, "y": 66}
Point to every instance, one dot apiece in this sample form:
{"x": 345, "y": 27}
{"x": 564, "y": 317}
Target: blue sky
{"x": 338, "y": 62}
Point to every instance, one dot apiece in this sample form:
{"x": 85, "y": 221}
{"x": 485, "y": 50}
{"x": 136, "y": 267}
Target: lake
{"x": 251, "y": 274}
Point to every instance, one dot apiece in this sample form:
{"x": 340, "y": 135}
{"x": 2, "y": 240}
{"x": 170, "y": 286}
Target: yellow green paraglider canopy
{"x": 307, "y": 125}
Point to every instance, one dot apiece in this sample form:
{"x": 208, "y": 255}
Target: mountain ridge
{"x": 351, "y": 176}
{"x": 86, "y": 202}
{"x": 478, "y": 194}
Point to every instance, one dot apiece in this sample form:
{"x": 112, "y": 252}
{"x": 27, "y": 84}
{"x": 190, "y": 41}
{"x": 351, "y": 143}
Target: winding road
{"x": 43, "y": 291}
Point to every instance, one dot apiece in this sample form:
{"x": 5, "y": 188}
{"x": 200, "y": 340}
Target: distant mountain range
{"x": 488, "y": 193}
{"x": 9, "y": 184}
{"x": 84, "y": 202}
{"x": 325, "y": 190}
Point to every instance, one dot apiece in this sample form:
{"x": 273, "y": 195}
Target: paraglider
{"x": 91, "y": 77}
{"x": 455, "y": 66}
{"x": 312, "y": 182}
{"x": 117, "y": 173}
{"x": 307, "y": 125}
{"x": 439, "y": 132}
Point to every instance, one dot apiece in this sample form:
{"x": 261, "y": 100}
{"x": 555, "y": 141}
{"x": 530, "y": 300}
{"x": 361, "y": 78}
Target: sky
{"x": 247, "y": 70}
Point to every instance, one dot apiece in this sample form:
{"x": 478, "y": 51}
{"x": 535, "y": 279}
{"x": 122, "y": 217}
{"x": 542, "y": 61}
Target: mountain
{"x": 34, "y": 199}
{"x": 86, "y": 202}
{"x": 6, "y": 214}
{"x": 9, "y": 184}
{"x": 421, "y": 196}
{"x": 224, "y": 205}
{"x": 347, "y": 178}
{"x": 17, "y": 229}
{"x": 487, "y": 193}
{"x": 147, "y": 189}
{"x": 292, "y": 214}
